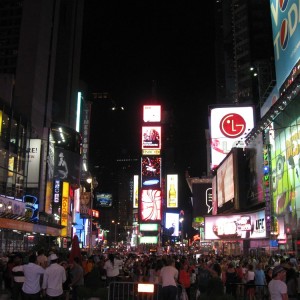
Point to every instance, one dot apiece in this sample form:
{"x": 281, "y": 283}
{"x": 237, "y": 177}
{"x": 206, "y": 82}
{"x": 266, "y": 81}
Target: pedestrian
{"x": 277, "y": 286}
{"x": 77, "y": 277}
{"x": 112, "y": 267}
{"x": 42, "y": 259}
{"x": 18, "y": 278}
{"x": 32, "y": 273}
{"x": 169, "y": 277}
{"x": 53, "y": 279}
{"x": 260, "y": 282}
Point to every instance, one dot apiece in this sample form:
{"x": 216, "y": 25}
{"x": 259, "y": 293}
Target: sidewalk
{"x": 4, "y": 294}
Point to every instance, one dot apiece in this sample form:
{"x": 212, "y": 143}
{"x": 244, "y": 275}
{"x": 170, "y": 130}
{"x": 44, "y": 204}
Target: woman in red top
{"x": 184, "y": 277}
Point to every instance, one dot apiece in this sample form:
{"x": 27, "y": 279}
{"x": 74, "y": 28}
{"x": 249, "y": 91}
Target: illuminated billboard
{"x": 242, "y": 226}
{"x": 150, "y": 205}
{"x": 286, "y": 32}
{"x": 202, "y": 199}
{"x": 172, "y": 190}
{"x": 135, "y": 196}
{"x": 228, "y": 127}
{"x": 148, "y": 227}
{"x": 172, "y": 224}
{"x": 151, "y": 172}
{"x": 225, "y": 181}
{"x": 152, "y": 113}
{"x": 104, "y": 199}
{"x": 151, "y": 137}
{"x": 285, "y": 166}
{"x": 148, "y": 240}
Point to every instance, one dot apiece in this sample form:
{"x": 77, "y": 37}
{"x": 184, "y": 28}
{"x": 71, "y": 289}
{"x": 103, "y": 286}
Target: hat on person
{"x": 53, "y": 256}
{"x": 277, "y": 270}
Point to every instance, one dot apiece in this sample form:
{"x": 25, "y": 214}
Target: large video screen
{"x": 152, "y": 113}
{"x": 225, "y": 181}
{"x": 151, "y": 137}
{"x": 245, "y": 226}
{"x": 104, "y": 199}
{"x": 150, "y": 205}
{"x": 151, "y": 172}
{"x": 172, "y": 224}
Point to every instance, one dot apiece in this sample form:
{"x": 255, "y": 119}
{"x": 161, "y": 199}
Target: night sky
{"x": 127, "y": 45}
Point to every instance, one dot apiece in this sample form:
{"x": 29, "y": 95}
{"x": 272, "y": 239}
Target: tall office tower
{"x": 40, "y": 44}
{"x": 244, "y": 56}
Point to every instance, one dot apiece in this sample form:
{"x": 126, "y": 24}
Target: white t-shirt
{"x": 113, "y": 270}
{"x": 169, "y": 275}
{"x": 277, "y": 288}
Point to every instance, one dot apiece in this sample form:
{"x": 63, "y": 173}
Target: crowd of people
{"x": 55, "y": 276}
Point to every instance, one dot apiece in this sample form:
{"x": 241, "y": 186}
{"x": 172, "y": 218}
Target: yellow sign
{"x": 150, "y": 152}
{"x": 65, "y": 208}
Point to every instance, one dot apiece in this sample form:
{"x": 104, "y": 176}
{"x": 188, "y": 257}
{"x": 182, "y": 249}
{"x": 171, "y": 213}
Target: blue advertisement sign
{"x": 285, "y": 18}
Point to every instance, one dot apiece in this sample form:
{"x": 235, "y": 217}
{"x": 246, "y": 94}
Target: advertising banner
{"x": 34, "y": 158}
{"x": 285, "y": 166}
{"x": 286, "y": 31}
{"x": 172, "y": 224}
{"x": 151, "y": 137}
{"x": 150, "y": 208}
{"x": 242, "y": 226}
{"x": 67, "y": 166}
{"x": 172, "y": 190}
{"x": 228, "y": 127}
{"x": 151, "y": 172}
{"x": 152, "y": 113}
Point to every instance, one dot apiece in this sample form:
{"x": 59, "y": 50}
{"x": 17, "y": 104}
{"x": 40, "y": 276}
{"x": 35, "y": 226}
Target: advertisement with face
{"x": 245, "y": 226}
{"x": 151, "y": 137}
{"x": 285, "y": 162}
{"x": 228, "y": 125}
{"x": 225, "y": 181}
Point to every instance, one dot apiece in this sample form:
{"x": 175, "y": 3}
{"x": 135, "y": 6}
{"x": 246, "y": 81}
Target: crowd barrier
{"x": 136, "y": 291}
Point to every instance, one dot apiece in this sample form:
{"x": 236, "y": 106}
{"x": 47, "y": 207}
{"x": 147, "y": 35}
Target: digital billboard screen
{"x": 225, "y": 181}
{"x": 151, "y": 137}
{"x": 150, "y": 205}
{"x": 152, "y": 113}
{"x": 228, "y": 126}
{"x": 104, "y": 199}
{"x": 151, "y": 172}
{"x": 172, "y": 224}
{"x": 244, "y": 226}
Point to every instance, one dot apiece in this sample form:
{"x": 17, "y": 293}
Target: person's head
{"x": 76, "y": 260}
{"x": 61, "y": 155}
{"x": 32, "y": 258}
{"x": 17, "y": 260}
{"x": 53, "y": 258}
{"x": 279, "y": 273}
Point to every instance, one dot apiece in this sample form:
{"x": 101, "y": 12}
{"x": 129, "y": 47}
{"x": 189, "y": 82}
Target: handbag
{"x": 184, "y": 295}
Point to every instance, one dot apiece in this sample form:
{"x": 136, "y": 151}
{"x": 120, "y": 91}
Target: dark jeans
{"x": 36, "y": 296}
{"x": 61, "y": 297}
{"x": 17, "y": 290}
{"x": 169, "y": 292}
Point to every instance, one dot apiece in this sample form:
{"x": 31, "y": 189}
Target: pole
{"x": 115, "y": 234}
{"x": 91, "y": 220}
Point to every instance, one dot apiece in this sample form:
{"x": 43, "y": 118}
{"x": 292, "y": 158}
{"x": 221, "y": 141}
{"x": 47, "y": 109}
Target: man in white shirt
{"x": 277, "y": 286}
{"x": 169, "y": 277}
{"x": 54, "y": 277}
{"x": 32, "y": 273}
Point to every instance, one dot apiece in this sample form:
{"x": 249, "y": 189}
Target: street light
{"x": 115, "y": 223}
{"x": 92, "y": 181}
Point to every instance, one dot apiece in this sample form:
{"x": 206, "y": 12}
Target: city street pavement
{"x": 4, "y": 294}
